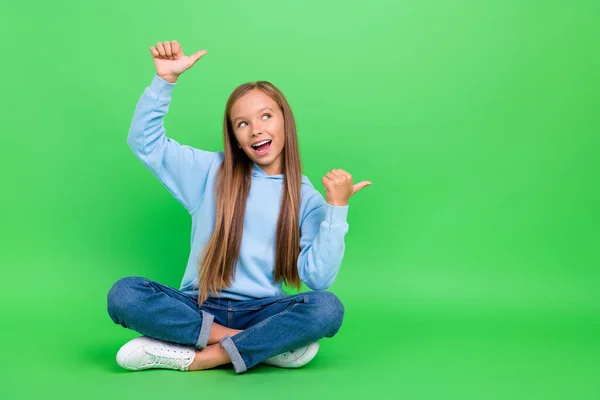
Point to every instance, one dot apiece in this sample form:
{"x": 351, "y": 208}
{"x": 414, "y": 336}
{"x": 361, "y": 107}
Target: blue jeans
{"x": 271, "y": 325}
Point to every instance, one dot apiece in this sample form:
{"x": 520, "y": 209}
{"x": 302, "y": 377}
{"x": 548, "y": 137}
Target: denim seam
{"x": 246, "y": 308}
{"x": 244, "y": 334}
{"x": 234, "y": 354}
{"x": 150, "y": 283}
{"x": 240, "y": 336}
{"x": 207, "y": 320}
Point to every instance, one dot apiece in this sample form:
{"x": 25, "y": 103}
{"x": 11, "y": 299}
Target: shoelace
{"x": 169, "y": 360}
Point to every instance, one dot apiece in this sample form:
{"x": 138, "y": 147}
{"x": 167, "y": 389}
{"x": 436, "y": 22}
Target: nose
{"x": 257, "y": 127}
{"x": 256, "y": 131}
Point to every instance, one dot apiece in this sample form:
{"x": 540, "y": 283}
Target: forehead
{"x": 251, "y": 103}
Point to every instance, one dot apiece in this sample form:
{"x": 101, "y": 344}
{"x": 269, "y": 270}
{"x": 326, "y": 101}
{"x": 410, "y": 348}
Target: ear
{"x": 239, "y": 146}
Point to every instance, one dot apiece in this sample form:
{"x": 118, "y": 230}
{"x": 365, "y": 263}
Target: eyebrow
{"x": 262, "y": 109}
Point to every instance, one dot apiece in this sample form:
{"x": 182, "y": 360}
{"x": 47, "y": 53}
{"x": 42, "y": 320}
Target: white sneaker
{"x": 294, "y": 358}
{"x": 145, "y": 353}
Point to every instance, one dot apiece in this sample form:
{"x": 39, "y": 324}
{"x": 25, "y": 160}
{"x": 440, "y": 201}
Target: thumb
{"x": 360, "y": 185}
{"x": 196, "y": 56}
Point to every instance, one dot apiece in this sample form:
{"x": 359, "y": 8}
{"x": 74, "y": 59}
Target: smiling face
{"x": 258, "y": 126}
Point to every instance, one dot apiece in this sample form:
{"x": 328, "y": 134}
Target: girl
{"x": 256, "y": 221}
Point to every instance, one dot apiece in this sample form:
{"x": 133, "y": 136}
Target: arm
{"x": 322, "y": 244}
{"x": 182, "y": 169}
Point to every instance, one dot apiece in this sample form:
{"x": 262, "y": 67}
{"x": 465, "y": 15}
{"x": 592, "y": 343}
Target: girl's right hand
{"x": 169, "y": 60}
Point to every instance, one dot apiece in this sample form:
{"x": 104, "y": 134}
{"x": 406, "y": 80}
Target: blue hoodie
{"x": 189, "y": 174}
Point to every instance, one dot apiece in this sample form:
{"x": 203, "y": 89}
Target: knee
{"x": 122, "y": 296}
{"x": 330, "y": 312}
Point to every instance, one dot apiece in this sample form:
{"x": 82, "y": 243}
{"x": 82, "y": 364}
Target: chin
{"x": 263, "y": 163}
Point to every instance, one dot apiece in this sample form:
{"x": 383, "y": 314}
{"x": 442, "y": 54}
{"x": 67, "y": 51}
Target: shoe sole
{"x": 303, "y": 359}
{"x": 308, "y": 355}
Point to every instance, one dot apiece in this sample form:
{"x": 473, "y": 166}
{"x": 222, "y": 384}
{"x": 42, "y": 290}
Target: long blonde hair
{"x": 218, "y": 258}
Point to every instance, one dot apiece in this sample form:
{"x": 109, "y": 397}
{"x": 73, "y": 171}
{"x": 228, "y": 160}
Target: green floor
{"x": 64, "y": 346}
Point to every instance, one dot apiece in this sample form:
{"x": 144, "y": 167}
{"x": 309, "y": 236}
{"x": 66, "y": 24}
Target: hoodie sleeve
{"x": 322, "y": 233}
{"x": 182, "y": 169}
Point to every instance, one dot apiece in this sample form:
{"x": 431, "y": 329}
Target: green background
{"x": 471, "y": 265}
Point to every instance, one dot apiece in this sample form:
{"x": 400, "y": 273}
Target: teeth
{"x": 260, "y": 143}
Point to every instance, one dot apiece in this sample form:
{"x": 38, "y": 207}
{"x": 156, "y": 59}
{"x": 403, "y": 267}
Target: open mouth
{"x": 262, "y": 148}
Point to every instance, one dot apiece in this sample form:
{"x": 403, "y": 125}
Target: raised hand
{"x": 339, "y": 187}
{"x": 169, "y": 60}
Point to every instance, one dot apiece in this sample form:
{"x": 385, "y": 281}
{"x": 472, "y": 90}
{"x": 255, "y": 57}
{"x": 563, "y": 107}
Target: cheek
{"x": 237, "y": 136}
{"x": 280, "y": 129}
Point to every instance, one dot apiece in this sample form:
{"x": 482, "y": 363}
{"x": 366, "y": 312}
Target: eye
{"x": 239, "y": 125}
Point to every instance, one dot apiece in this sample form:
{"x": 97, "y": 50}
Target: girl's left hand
{"x": 339, "y": 187}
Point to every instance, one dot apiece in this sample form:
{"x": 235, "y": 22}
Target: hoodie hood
{"x": 258, "y": 172}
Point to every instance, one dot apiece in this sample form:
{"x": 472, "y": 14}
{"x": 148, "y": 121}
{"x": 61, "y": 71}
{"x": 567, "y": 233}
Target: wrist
{"x": 337, "y": 203}
{"x": 169, "y": 78}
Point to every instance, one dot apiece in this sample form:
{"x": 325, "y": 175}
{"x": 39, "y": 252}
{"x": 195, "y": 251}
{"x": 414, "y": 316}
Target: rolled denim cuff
{"x": 207, "y": 320}
{"x": 234, "y": 355}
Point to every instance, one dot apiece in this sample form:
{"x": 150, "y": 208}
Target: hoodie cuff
{"x": 336, "y": 215}
{"x": 161, "y": 88}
